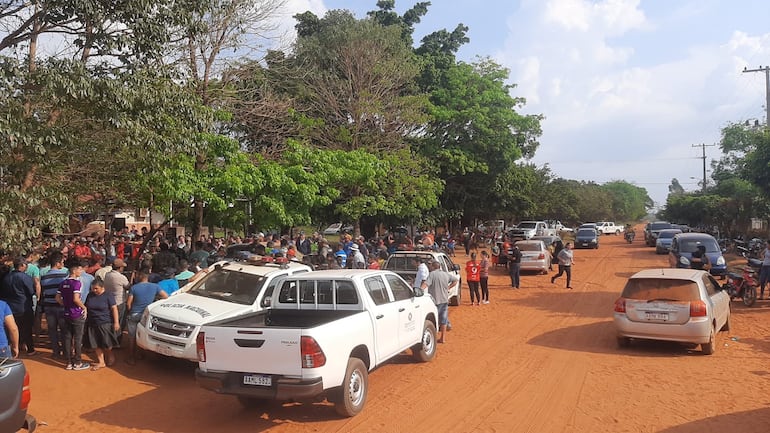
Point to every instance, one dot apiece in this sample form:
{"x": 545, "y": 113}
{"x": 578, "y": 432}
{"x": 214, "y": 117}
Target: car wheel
{"x": 352, "y": 395}
{"x": 251, "y": 402}
{"x": 711, "y": 346}
{"x": 624, "y": 342}
{"x": 425, "y": 350}
{"x": 749, "y": 295}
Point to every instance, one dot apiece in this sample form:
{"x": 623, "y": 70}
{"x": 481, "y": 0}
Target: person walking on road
{"x": 484, "y": 276}
{"x": 764, "y": 272}
{"x": 438, "y": 284}
{"x": 514, "y": 266}
{"x": 473, "y": 275}
{"x": 566, "y": 259}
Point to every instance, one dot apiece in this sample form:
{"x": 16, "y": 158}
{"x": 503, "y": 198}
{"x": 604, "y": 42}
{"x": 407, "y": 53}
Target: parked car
{"x": 401, "y": 262}
{"x": 587, "y": 238}
{"x": 337, "y": 228}
{"x": 14, "y": 396}
{"x": 665, "y": 237}
{"x": 683, "y": 305}
{"x": 534, "y": 256}
{"x": 652, "y": 229}
{"x": 684, "y": 244}
{"x": 593, "y": 226}
{"x": 609, "y": 228}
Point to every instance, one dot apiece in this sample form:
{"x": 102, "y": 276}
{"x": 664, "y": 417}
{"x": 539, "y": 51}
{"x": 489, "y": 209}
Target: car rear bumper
{"x": 539, "y": 265}
{"x": 697, "y": 330}
{"x": 282, "y": 388}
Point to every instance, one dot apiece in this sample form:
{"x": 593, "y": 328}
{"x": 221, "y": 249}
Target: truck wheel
{"x": 425, "y": 350}
{"x": 352, "y": 395}
{"x": 251, "y": 402}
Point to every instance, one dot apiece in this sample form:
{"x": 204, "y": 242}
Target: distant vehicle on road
{"x": 665, "y": 238}
{"x": 337, "y": 228}
{"x": 652, "y": 229}
{"x": 587, "y": 238}
{"x": 684, "y": 244}
{"x": 534, "y": 256}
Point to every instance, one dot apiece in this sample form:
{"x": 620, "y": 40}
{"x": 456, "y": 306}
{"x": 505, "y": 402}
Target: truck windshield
{"x": 526, "y": 226}
{"x": 230, "y": 286}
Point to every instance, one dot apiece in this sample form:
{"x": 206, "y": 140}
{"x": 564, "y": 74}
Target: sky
{"x": 629, "y": 89}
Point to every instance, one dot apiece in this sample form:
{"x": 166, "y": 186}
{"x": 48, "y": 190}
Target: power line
{"x": 766, "y": 70}
{"x": 703, "y": 147}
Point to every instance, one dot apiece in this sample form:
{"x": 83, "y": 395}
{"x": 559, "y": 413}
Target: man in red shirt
{"x": 473, "y": 276}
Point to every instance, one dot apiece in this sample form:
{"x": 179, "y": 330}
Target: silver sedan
{"x": 534, "y": 256}
{"x": 683, "y": 305}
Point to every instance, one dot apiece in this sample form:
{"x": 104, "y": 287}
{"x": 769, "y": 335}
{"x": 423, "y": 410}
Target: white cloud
{"x": 578, "y": 62}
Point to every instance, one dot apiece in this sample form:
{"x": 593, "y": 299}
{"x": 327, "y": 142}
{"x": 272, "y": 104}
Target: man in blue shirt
{"x": 140, "y": 295}
{"x": 49, "y": 285}
{"x": 18, "y": 290}
{"x": 9, "y": 345}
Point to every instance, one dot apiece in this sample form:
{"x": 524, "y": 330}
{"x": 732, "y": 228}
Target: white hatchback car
{"x": 682, "y": 305}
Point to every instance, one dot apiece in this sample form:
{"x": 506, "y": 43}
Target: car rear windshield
{"x": 660, "y": 226}
{"x": 690, "y": 245}
{"x": 529, "y": 246}
{"x": 667, "y": 234}
{"x": 586, "y": 232}
{"x": 403, "y": 263}
{"x": 649, "y": 289}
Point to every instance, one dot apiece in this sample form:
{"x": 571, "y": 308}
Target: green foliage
{"x": 629, "y": 202}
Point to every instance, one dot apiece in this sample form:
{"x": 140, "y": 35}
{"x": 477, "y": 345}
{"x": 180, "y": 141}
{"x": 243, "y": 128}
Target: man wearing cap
{"x": 356, "y": 257}
{"x": 438, "y": 284}
{"x": 117, "y": 284}
{"x": 18, "y": 288}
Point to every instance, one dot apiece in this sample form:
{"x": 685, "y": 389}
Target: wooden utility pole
{"x": 766, "y": 70}
{"x": 703, "y": 146}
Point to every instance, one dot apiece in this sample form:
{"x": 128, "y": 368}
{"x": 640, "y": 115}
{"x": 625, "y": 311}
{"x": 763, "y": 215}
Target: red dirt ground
{"x": 541, "y": 359}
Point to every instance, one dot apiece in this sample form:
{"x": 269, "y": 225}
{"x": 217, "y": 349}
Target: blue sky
{"x": 626, "y": 86}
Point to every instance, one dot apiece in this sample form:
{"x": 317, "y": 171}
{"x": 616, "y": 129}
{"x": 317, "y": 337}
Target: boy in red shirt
{"x": 473, "y": 276}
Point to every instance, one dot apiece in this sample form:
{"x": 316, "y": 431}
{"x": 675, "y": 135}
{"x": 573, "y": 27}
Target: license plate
{"x": 257, "y": 379}
{"x": 657, "y": 316}
{"x": 585, "y": 244}
{"x": 163, "y": 350}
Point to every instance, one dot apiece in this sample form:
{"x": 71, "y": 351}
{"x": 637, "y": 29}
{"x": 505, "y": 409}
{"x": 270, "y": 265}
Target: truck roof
{"x": 259, "y": 268}
{"x": 340, "y": 274}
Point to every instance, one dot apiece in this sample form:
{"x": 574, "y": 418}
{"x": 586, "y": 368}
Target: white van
{"x": 230, "y": 288}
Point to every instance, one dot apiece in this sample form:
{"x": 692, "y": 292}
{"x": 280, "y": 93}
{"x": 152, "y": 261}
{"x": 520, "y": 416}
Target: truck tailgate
{"x": 260, "y": 350}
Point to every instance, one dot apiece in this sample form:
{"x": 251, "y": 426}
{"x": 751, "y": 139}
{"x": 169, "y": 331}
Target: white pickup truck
{"x": 169, "y": 326}
{"x": 527, "y": 229}
{"x": 324, "y": 332}
{"x": 609, "y": 228}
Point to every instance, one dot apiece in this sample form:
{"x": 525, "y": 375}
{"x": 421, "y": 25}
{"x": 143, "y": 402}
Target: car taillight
{"x": 697, "y": 309}
{"x": 620, "y": 305}
{"x": 541, "y": 256}
{"x": 312, "y": 355}
{"x": 200, "y": 346}
{"x": 26, "y": 393}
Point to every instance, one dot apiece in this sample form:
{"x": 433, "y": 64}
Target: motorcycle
{"x": 743, "y": 285}
{"x": 630, "y": 236}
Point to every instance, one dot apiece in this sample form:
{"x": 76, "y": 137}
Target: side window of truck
{"x": 401, "y": 290}
{"x": 346, "y": 293}
{"x": 288, "y": 293}
{"x": 377, "y": 291}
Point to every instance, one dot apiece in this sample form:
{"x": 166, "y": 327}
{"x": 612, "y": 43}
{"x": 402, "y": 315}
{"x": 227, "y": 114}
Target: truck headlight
{"x": 145, "y": 317}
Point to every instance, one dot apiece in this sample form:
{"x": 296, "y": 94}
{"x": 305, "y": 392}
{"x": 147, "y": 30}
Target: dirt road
{"x": 540, "y": 359}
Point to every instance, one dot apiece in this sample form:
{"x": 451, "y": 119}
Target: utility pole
{"x": 766, "y": 70}
{"x": 703, "y": 147}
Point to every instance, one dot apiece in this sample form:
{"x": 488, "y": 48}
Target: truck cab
{"x": 230, "y": 288}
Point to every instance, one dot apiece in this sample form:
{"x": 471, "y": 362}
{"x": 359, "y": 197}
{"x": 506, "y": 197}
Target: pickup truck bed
{"x": 279, "y": 318}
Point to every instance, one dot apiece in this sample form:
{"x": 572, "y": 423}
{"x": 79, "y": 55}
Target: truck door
{"x": 386, "y": 317}
{"x": 410, "y": 316}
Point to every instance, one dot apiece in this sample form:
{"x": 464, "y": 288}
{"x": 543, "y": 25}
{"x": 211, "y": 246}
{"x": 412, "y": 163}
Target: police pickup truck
{"x": 322, "y": 335}
{"x": 229, "y": 289}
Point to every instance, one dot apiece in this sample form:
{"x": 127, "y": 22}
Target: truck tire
{"x": 352, "y": 395}
{"x": 455, "y": 300}
{"x": 425, "y": 350}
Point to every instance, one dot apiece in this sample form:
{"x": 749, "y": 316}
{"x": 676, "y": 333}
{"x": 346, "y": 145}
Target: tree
{"x": 629, "y": 202}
